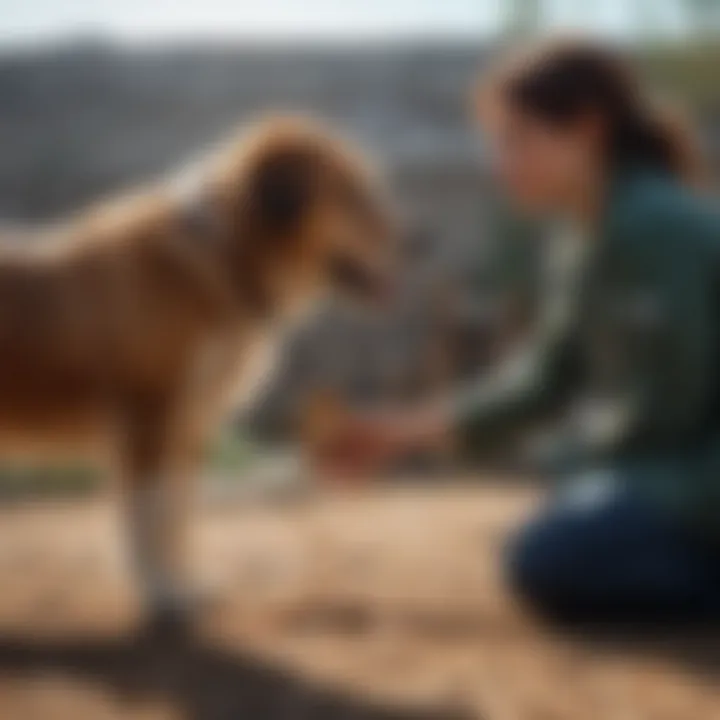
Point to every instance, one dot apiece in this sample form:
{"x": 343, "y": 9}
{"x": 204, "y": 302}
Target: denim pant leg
{"x": 600, "y": 553}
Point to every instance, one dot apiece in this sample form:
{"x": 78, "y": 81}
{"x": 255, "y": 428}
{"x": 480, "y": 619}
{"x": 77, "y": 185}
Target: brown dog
{"x": 133, "y": 329}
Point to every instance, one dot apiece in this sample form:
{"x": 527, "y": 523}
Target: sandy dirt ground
{"x": 375, "y": 606}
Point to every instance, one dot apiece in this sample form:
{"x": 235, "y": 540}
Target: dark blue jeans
{"x": 598, "y": 554}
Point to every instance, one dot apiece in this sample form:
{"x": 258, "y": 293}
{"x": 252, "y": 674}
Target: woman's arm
{"x": 522, "y": 389}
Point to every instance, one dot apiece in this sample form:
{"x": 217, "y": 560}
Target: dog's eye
{"x": 350, "y": 274}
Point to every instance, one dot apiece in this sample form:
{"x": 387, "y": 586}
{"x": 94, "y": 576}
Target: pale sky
{"x": 133, "y": 20}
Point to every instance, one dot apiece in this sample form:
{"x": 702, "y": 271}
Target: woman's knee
{"x": 536, "y": 568}
{"x": 590, "y": 557}
{"x": 558, "y": 561}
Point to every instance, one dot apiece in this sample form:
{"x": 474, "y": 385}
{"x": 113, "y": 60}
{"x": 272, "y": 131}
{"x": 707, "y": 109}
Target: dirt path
{"x": 374, "y": 607}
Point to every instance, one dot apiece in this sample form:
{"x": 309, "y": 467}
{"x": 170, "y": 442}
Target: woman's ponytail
{"x": 658, "y": 137}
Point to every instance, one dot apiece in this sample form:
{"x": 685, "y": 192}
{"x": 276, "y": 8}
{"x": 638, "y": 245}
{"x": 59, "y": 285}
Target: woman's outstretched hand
{"x": 359, "y": 445}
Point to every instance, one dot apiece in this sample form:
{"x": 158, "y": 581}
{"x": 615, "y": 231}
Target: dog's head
{"x": 306, "y": 204}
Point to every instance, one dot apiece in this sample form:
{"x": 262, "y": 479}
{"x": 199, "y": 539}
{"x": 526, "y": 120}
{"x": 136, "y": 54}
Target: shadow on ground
{"x": 200, "y": 681}
{"x": 694, "y": 649}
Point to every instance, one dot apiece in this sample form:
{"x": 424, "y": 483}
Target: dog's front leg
{"x": 159, "y": 486}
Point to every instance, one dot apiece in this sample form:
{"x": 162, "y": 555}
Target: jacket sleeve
{"x": 526, "y": 387}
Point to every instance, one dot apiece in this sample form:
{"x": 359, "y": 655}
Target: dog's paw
{"x": 169, "y": 623}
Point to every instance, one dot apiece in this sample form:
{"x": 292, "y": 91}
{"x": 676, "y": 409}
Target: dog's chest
{"x": 229, "y": 371}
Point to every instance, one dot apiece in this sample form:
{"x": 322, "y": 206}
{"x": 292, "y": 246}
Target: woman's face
{"x": 542, "y": 166}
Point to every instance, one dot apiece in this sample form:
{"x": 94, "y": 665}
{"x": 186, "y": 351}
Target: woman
{"x": 628, "y": 344}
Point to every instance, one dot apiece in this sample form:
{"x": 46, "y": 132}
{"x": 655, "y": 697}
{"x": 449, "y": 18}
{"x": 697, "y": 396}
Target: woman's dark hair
{"x": 563, "y": 81}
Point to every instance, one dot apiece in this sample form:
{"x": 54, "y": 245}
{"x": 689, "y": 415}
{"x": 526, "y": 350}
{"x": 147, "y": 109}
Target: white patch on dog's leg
{"x": 158, "y": 526}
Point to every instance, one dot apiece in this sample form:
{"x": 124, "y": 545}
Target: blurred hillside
{"x": 79, "y": 121}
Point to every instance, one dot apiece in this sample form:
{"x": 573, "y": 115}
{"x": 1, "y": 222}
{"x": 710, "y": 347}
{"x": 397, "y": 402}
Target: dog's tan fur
{"x": 128, "y": 330}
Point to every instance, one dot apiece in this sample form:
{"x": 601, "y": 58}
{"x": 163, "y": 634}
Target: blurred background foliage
{"x": 687, "y": 72}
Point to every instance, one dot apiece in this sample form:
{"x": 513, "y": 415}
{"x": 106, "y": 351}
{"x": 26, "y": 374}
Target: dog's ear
{"x": 281, "y": 188}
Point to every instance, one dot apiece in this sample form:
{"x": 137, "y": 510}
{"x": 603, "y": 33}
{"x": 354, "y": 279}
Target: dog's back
{"x": 85, "y": 318}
